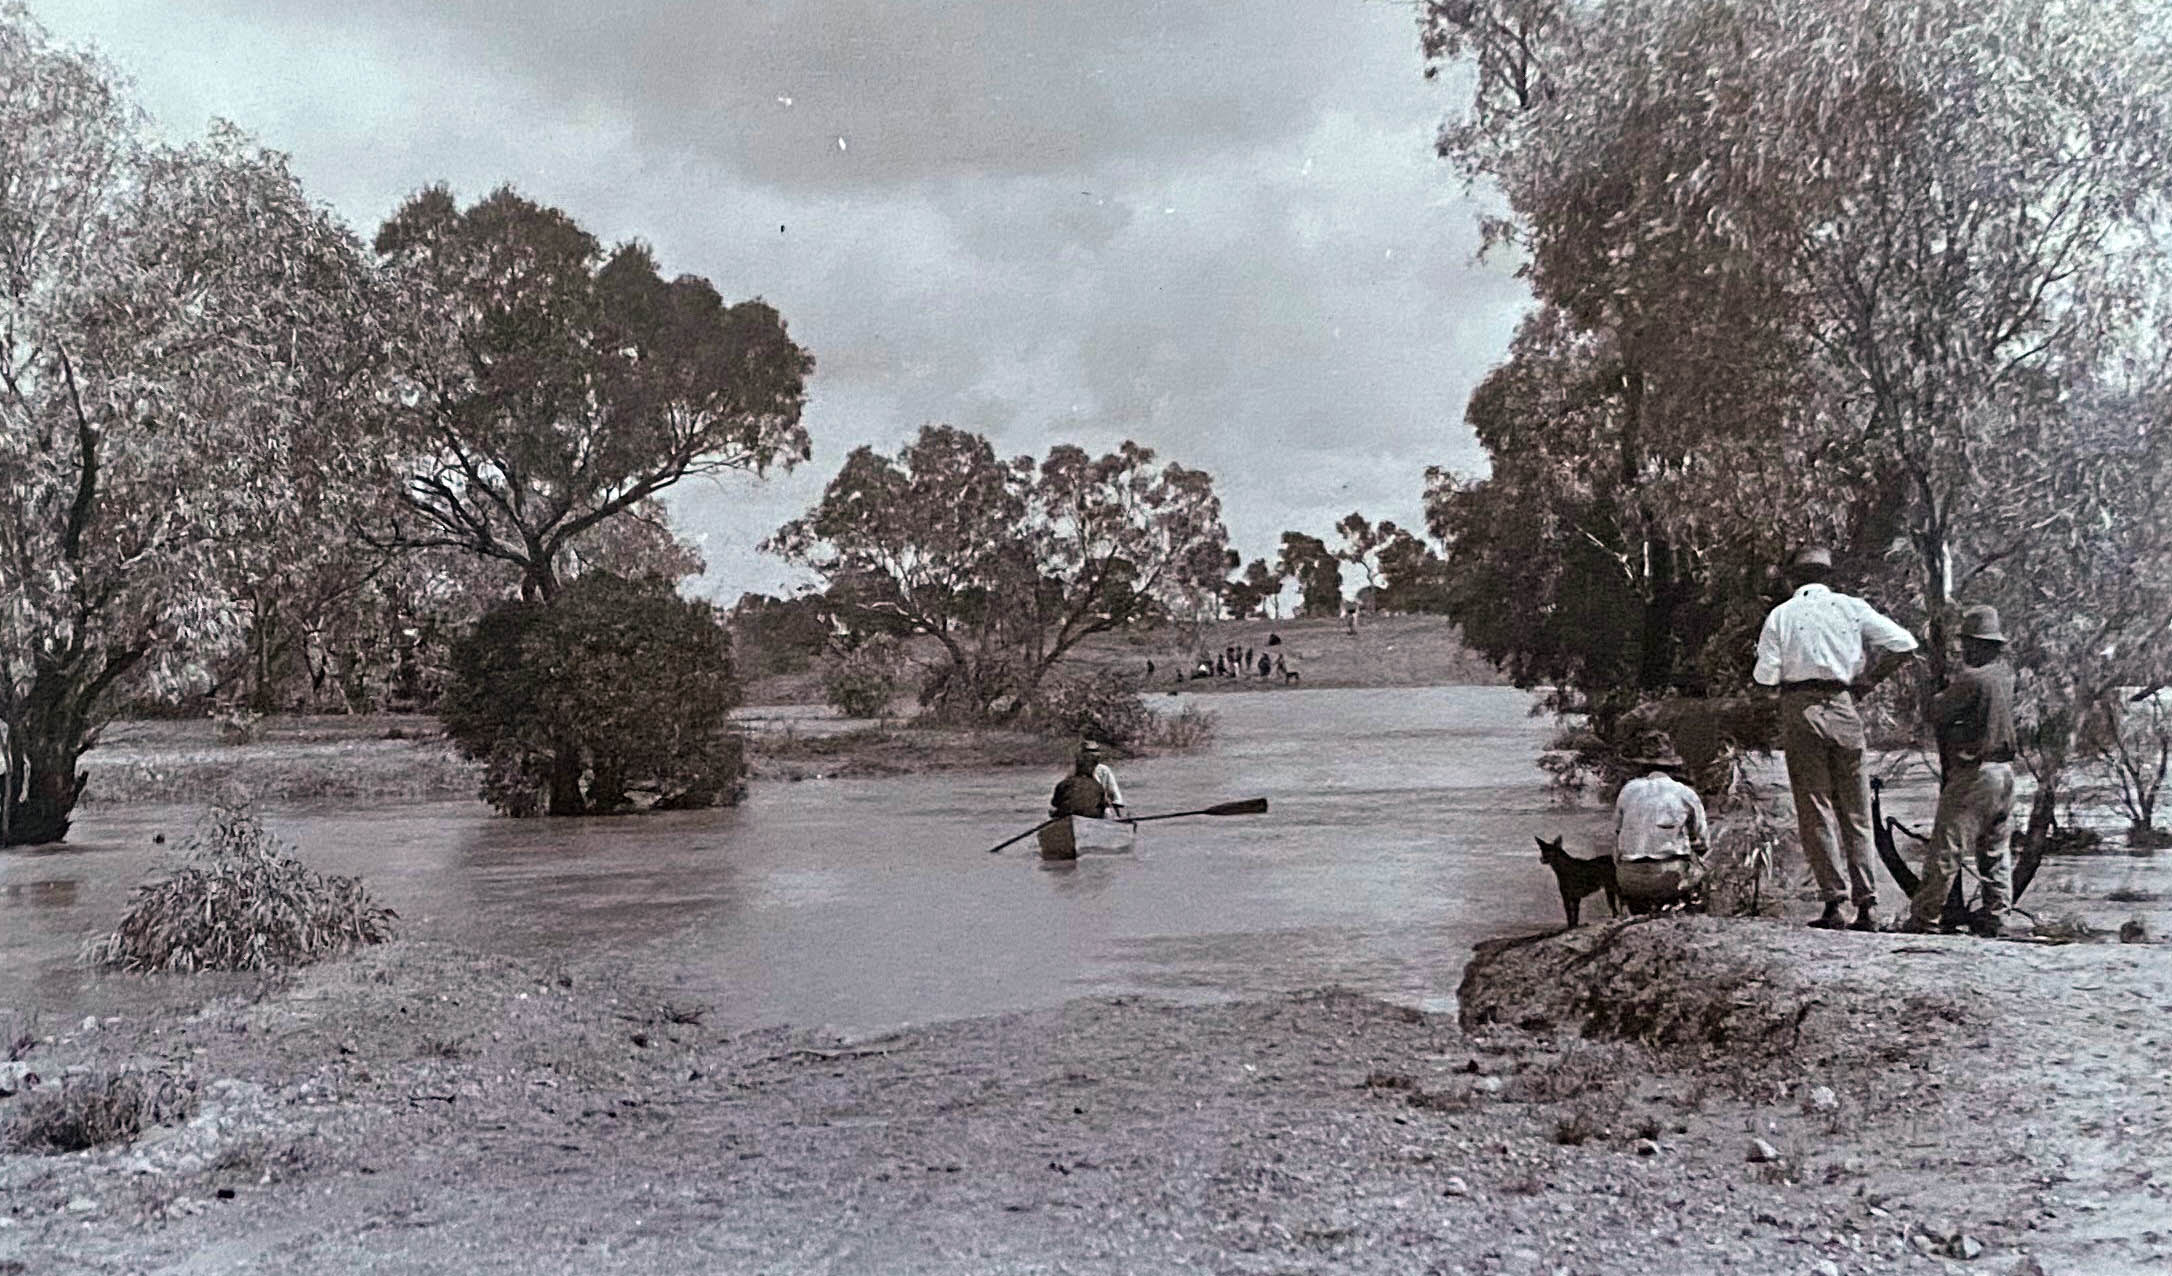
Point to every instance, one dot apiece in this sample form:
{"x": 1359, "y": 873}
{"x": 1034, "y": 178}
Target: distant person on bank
{"x": 1079, "y": 793}
{"x": 1659, "y": 831}
{"x": 1111, "y": 791}
{"x": 1974, "y": 718}
{"x": 1823, "y": 649}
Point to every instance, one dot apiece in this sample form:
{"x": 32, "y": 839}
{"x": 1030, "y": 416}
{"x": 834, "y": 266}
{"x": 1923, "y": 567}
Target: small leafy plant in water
{"x": 240, "y": 901}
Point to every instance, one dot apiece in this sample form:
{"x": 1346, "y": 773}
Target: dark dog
{"x": 1579, "y": 878}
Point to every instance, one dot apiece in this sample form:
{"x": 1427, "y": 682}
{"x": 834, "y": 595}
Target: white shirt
{"x": 1822, "y": 634}
{"x": 1657, "y": 817}
{"x": 1107, "y": 780}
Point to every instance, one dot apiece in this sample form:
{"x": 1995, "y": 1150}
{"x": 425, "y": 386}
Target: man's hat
{"x": 1089, "y": 746}
{"x": 1981, "y": 622}
{"x": 1658, "y": 751}
{"x": 1812, "y": 556}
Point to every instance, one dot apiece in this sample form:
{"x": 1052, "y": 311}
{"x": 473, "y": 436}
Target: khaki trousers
{"x": 1975, "y": 815}
{"x": 1646, "y": 884}
{"x": 1823, "y": 736}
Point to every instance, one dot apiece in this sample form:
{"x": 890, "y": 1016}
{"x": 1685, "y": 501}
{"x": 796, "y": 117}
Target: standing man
{"x": 1822, "y": 649}
{"x": 1659, "y": 831}
{"x": 1974, "y": 718}
{"x": 1089, "y": 754}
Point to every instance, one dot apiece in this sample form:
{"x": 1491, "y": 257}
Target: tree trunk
{"x": 50, "y": 730}
{"x": 566, "y": 796}
{"x": 2036, "y": 834}
{"x": 607, "y": 791}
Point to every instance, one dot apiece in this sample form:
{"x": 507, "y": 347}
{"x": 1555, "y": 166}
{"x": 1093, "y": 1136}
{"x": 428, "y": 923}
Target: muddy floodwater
{"x": 1400, "y": 834}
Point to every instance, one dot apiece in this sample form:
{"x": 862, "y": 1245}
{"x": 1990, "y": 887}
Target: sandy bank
{"x": 1819, "y": 1102}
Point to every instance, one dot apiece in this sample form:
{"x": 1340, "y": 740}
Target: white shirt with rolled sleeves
{"x": 1106, "y": 778}
{"x": 1657, "y": 817}
{"x": 1821, "y": 635}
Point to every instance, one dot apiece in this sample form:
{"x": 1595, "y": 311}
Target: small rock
{"x": 15, "y": 1075}
{"x": 1488, "y": 1085}
{"x": 90, "y": 1024}
{"x": 1923, "y": 1243}
{"x": 1763, "y": 1153}
{"x": 2027, "y": 1265}
{"x": 81, "y": 1205}
{"x": 1455, "y": 1186}
{"x": 1827, "y": 1267}
{"x": 2133, "y": 931}
{"x": 1822, "y": 1099}
{"x": 1965, "y": 1247}
{"x": 1647, "y": 1147}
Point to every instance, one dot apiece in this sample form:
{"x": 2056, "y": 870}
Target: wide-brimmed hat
{"x": 1981, "y": 622}
{"x": 1811, "y": 556}
{"x": 1089, "y": 746}
{"x": 1657, "y": 751}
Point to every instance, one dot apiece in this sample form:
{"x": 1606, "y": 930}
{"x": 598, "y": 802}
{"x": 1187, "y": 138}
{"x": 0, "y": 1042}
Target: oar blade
{"x": 1249, "y": 806}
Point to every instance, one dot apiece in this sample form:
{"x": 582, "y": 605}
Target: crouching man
{"x": 1659, "y": 833}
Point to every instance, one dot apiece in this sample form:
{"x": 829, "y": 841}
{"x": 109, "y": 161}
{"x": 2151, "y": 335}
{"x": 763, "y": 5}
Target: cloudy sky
{"x": 1215, "y": 226}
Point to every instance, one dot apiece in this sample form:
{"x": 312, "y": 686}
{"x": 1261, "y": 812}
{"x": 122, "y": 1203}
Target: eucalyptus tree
{"x": 187, "y": 349}
{"x": 1855, "y": 239}
{"x": 1007, "y": 564}
{"x": 1318, "y": 572}
{"x": 569, "y": 386}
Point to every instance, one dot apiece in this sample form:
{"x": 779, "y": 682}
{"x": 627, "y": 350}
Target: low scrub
{"x": 1104, "y": 709}
{"x": 1188, "y": 728}
{"x": 240, "y": 901}
{"x": 95, "y": 1108}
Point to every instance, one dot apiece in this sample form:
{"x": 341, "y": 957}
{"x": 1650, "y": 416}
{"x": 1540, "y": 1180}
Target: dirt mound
{"x": 1704, "y": 988}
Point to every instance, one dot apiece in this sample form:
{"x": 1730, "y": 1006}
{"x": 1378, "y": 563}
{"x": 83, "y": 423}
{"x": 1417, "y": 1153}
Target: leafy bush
{"x": 240, "y": 902}
{"x": 1105, "y": 709}
{"x": 862, "y": 682}
{"x": 92, "y": 1109}
{"x": 613, "y": 688}
{"x": 1188, "y": 728}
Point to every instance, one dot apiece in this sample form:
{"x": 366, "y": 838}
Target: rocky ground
{"x": 1681, "y": 1096}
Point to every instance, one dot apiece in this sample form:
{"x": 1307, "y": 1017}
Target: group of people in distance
{"x": 1821, "y": 650}
{"x": 1238, "y": 662}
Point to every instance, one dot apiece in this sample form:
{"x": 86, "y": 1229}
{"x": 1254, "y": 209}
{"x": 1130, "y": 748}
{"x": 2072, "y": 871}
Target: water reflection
{"x": 1399, "y": 836}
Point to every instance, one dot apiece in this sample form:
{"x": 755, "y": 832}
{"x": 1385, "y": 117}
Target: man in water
{"x": 1974, "y": 718}
{"x": 1079, "y": 793}
{"x": 1823, "y": 649}
{"x": 1659, "y": 831}
{"x": 1090, "y": 752}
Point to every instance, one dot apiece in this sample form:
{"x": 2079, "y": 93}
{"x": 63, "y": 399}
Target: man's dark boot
{"x": 1865, "y": 919}
{"x": 1830, "y": 919}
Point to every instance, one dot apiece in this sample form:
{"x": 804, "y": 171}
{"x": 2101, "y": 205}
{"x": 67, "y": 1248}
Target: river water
{"x": 1399, "y": 835}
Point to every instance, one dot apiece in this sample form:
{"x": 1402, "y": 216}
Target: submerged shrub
{"x": 1105, "y": 709}
{"x": 612, "y": 689}
{"x": 239, "y": 901}
{"x": 92, "y": 1109}
{"x": 1188, "y": 728}
{"x": 862, "y": 682}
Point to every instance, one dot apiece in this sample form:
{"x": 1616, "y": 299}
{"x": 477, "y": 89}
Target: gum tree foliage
{"x": 186, "y": 350}
{"x": 611, "y": 688}
{"x": 1318, "y": 573}
{"x": 1008, "y": 565}
{"x": 1830, "y": 270}
{"x": 1401, "y": 571}
{"x": 570, "y": 387}
{"x": 1413, "y": 578}
{"x": 1249, "y": 594}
